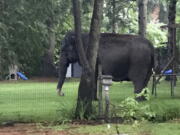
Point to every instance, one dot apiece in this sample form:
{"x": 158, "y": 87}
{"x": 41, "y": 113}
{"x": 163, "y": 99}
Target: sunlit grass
{"x": 38, "y": 101}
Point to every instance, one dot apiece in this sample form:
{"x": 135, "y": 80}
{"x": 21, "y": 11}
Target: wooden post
{"x": 100, "y": 101}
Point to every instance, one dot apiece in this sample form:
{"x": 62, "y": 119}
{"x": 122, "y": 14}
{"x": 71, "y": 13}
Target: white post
{"x": 106, "y": 81}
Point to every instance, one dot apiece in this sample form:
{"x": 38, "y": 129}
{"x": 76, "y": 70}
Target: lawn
{"x": 33, "y": 101}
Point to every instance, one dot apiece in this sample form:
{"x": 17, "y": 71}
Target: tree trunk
{"x": 94, "y": 34}
{"x": 172, "y": 48}
{"x": 86, "y": 87}
{"x": 142, "y": 5}
{"x": 84, "y": 102}
{"x": 114, "y": 16}
{"x": 93, "y": 45}
{"x": 171, "y": 22}
{"x": 52, "y": 40}
{"x": 48, "y": 59}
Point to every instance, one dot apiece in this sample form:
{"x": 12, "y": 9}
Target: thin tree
{"x": 142, "y": 17}
{"x": 114, "y": 16}
{"x": 87, "y": 85}
{"x": 172, "y": 48}
{"x": 171, "y": 23}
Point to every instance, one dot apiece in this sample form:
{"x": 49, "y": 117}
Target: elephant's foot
{"x": 141, "y": 98}
{"x": 60, "y": 93}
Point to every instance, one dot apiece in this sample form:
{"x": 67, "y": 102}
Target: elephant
{"x": 123, "y": 56}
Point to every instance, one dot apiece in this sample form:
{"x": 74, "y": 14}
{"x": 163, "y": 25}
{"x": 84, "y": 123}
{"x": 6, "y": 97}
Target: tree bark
{"x": 114, "y": 16}
{"x": 172, "y": 48}
{"x": 95, "y": 33}
{"x": 171, "y": 22}
{"x": 48, "y": 59}
{"x": 142, "y": 17}
{"x": 52, "y": 40}
{"x": 84, "y": 101}
{"x": 86, "y": 87}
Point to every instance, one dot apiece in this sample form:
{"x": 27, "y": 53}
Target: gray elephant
{"x": 125, "y": 57}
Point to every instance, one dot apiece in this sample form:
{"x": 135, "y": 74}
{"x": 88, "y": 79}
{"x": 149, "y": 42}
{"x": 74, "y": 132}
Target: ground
{"x": 34, "y": 129}
{"x": 28, "y": 129}
{"x": 142, "y": 128}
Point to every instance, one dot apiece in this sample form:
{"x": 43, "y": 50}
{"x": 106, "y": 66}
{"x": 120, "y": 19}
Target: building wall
{"x": 69, "y": 71}
{"x": 76, "y": 70}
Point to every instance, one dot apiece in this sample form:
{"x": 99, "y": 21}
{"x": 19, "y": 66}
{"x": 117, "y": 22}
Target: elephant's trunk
{"x": 63, "y": 65}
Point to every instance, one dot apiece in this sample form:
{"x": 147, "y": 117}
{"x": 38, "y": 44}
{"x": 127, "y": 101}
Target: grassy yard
{"x": 146, "y": 128}
{"x": 32, "y": 101}
{"x": 35, "y": 101}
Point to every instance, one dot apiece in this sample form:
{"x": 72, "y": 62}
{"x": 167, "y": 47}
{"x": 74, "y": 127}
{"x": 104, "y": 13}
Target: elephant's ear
{"x": 63, "y": 43}
{"x": 72, "y": 39}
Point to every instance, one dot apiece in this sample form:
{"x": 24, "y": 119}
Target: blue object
{"x": 167, "y": 72}
{"x": 22, "y": 76}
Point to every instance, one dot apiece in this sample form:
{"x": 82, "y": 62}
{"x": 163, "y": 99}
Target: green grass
{"x": 144, "y": 128}
{"x": 35, "y": 101}
{"x": 38, "y": 102}
{"x": 165, "y": 106}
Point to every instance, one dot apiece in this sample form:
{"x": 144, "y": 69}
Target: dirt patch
{"x": 29, "y": 129}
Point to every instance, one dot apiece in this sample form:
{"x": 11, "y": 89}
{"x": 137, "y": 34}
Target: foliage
{"x": 157, "y": 36}
{"x": 130, "y": 110}
{"x": 124, "y": 15}
{"x": 24, "y": 31}
{"x": 145, "y": 93}
{"x": 162, "y": 4}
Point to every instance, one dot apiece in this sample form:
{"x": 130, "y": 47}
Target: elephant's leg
{"x": 140, "y": 80}
{"x": 138, "y": 87}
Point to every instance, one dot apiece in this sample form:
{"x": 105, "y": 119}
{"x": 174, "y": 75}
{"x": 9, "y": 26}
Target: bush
{"x": 130, "y": 110}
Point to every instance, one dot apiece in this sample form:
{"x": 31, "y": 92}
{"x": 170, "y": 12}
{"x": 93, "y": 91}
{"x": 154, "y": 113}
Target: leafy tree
{"x": 29, "y": 30}
{"x": 118, "y": 15}
{"x": 87, "y": 83}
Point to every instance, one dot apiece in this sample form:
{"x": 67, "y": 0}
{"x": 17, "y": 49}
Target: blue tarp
{"x": 167, "y": 72}
{"x": 22, "y": 76}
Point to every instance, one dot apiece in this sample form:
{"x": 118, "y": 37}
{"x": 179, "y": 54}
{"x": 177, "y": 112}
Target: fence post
{"x": 106, "y": 81}
{"x": 100, "y": 97}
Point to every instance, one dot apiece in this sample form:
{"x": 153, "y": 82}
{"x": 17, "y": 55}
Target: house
{"x": 74, "y": 70}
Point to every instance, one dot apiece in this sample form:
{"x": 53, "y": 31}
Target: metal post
{"x": 174, "y": 60}
{"x": 172, "y": 85}
{"x": 154, "y": 85}
{"x": 100, "y": 97}
{"x": 106, "y": 93}
{"x": 100, "y": 102}
{"x": 106, "y": 81}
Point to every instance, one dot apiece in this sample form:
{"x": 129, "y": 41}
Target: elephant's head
{"x": 69, "y": 48}
{"x": 68, "y": 55}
